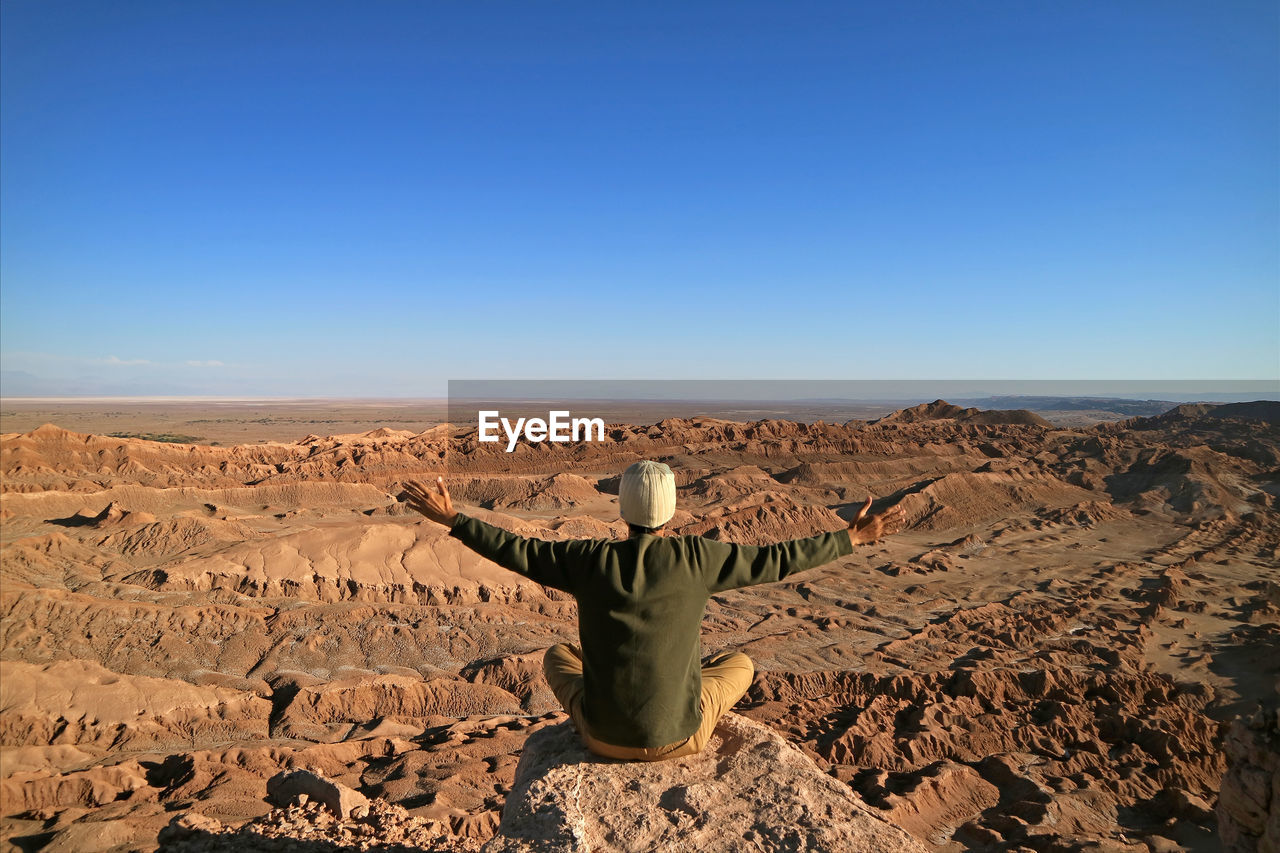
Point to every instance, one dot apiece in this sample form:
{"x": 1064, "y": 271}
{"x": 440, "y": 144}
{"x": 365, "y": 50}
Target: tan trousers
{"x": 725, "y": 678}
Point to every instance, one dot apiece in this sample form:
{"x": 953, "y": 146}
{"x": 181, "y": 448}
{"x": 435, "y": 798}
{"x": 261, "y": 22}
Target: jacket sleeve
{"x": 548, "y": 563}
{"x": 727, "y": 566}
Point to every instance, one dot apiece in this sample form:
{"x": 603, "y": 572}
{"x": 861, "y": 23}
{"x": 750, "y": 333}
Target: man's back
{"x": 640, "y": 607}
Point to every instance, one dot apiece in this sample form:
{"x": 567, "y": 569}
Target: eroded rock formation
{"x": 1049, "y": 658}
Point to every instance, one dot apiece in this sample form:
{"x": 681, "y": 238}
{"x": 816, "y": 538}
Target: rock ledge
{"x": 749, "y": 790}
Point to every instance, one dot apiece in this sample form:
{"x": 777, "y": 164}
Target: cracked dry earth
{"x": 1046, "y": 659}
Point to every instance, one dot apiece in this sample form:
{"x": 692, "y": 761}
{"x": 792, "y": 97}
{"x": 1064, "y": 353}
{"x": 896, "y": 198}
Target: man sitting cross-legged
{"x": 634, "y": 687}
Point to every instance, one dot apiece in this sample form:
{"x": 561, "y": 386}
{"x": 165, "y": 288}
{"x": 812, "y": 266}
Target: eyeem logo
{"x": 559, "y": 427}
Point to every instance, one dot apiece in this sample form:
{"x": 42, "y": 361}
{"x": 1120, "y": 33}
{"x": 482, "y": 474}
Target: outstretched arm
{"x": 734, "y": 566}
{"x": 548, "y": 563}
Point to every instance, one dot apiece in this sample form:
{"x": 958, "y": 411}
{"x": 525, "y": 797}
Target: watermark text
{"x": 559, "y": 426}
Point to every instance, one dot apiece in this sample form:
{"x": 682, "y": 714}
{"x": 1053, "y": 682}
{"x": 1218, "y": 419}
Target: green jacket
{"x": 640, "y": 606}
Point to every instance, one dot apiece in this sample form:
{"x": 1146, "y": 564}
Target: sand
{"x": 1048, "y": 657}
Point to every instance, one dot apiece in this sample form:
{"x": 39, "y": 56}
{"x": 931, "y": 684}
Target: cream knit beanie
{"x": 647, "y": 494}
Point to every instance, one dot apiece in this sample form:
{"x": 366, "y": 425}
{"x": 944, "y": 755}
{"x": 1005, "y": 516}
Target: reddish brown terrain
{"x": 1048, "y": 658}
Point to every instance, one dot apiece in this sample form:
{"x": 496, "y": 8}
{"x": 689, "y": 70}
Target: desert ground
{"x": 1050, "y": 657}
{"x": 218, "y": 422}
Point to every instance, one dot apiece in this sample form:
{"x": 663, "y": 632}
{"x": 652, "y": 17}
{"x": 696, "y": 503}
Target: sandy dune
{"x": 1048, "y": 657}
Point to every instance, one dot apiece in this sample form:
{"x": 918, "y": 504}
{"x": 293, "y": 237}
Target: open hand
{"x": 866, "y": 528}
{"x": 433, "y": 503}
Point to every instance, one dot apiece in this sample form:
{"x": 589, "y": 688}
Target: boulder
{"x": 1249, "y": 801}
{"x": 285, "y": 788}
{"x": 749, "y": 790}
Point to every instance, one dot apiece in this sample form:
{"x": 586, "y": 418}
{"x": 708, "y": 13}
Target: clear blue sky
{"x": 354, "y": 198}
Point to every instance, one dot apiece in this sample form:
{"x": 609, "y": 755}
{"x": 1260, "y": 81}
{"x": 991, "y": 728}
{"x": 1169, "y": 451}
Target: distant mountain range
{"x": 1118, "y": 405}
